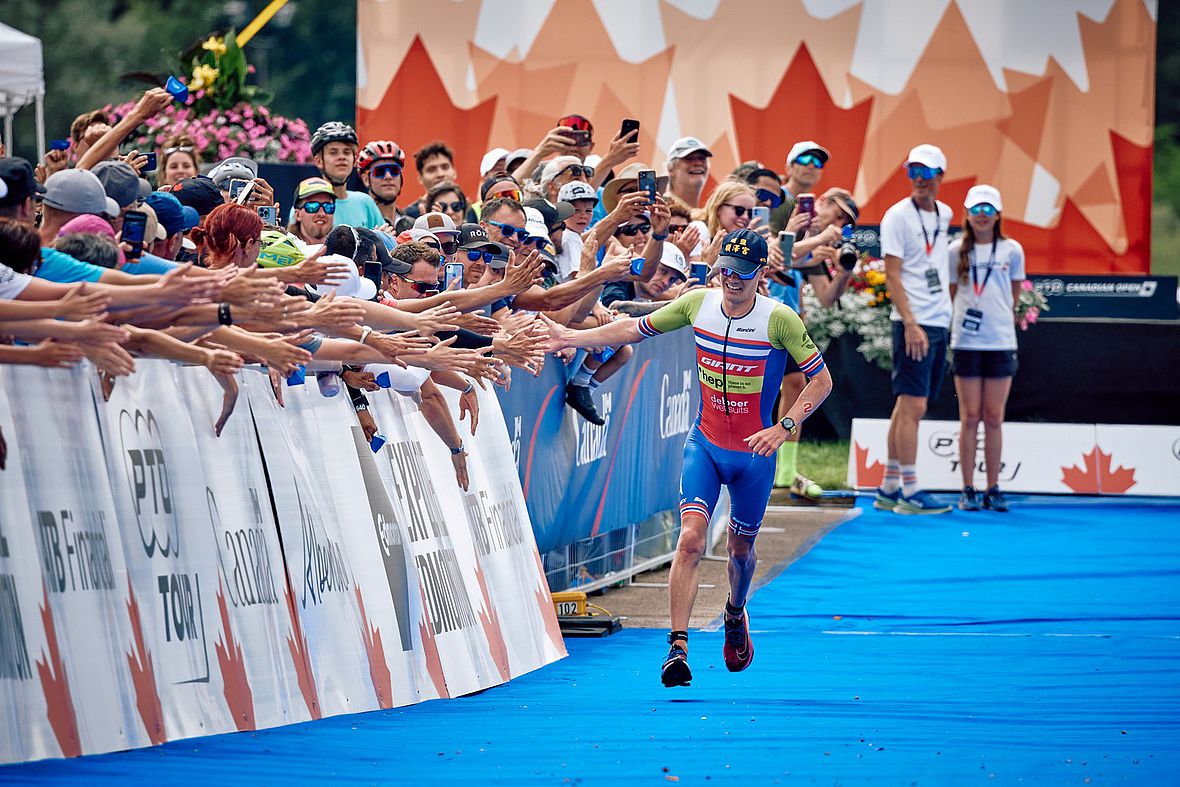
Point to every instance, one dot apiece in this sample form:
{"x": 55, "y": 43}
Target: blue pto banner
{"x": 580, "y": 479}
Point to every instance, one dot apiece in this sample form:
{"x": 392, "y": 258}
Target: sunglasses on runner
{"x": 458, "y": 206}
{"x": 739, "y": 210}
{"x": 742, "y": 276}
{"x": 475, "y": 255}
{"x": 313, "y": 206}
{"x": 810, "y": 160}
{"x": 921, "y": 171}
{"x": 766, "y": 195}
{"x": 634, "y": 229}
{"x": 422, "y": 287}
{"x": 509, "y": 230}
{"x": 390, "y": 170}
{"x": 983, "y": 209}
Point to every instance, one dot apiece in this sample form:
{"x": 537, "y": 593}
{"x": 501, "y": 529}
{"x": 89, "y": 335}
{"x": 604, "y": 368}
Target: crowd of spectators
{"x": 111, "y": 254}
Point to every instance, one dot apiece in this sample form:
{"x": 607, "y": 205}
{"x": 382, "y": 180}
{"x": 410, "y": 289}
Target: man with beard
{"x": 315, "y": 211}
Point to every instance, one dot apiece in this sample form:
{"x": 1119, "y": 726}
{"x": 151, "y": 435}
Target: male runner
{"x": 742, "y": 343}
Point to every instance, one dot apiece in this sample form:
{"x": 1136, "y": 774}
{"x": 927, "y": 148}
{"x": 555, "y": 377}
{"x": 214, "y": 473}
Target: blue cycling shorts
{"x": 749, "y": 477}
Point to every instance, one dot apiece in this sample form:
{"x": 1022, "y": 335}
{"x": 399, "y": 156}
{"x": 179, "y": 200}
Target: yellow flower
{"x": 215, "y": 45}
{"x": 203, "y": 77}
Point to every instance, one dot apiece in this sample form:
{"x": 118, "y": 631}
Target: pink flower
{"x": 249, "y": 124}
{"x": 250, "y": 69}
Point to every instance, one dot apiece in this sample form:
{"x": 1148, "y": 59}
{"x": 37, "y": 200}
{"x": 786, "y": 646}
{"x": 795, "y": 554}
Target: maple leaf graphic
{"x": 765, "y": 134}
{"x": 434, "y": 667}
{"x": 301, "y": 659}
{"x": 143, "y": 675}
{"x": 867, "y": 475}
{"x": 548, "y": 612}
{"x": 55, "y": 684}
{"x": 378, "y": 669}
{"x": 235, "y": 684}
{"x": 490, "y": 621}
{"x": 1097, "y": 477}
{"x": 417, "y": 109}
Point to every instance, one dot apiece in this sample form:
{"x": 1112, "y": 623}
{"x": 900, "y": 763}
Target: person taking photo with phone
{"x": 914, "y": 244}
{"x": 988, "y": 271}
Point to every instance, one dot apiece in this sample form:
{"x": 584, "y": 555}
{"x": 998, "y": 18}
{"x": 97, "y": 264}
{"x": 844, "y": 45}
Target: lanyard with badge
{"x": 933, "y": 281}
{"x": 973, "y": 317}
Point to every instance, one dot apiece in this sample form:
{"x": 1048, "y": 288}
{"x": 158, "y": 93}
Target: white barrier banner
{"x": 1037, "y": 458}
{"x": 147, "y": 592}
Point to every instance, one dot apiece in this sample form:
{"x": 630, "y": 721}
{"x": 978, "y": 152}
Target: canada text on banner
{"x": 1051, "y": 102}
{"x": 145, "y": 594}
{"x": 580, "y": 479}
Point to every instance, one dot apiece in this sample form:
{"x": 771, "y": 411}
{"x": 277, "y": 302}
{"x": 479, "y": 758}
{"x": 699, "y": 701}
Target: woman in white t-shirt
{"x": 987, "y": 271}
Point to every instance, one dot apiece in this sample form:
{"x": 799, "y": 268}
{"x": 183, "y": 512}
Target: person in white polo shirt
{"x": 914, "y": 243}
{"x": 987, "y": 270}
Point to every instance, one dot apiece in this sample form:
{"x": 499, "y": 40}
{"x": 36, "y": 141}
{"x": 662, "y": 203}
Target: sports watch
{"x": 789, "y": 424}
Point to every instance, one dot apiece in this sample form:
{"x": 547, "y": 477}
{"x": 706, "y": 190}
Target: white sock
{"x": 582, "y": 378}
{"x": 892, "y": 481}
{"x": 594, "y": 384}
{"x": 909, "y": 479}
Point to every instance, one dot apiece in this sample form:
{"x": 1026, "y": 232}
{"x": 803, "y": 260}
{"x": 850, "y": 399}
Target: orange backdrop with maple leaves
{"x": 1050, "y": 101}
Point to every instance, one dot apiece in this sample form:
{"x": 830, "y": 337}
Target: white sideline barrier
{"x": 1107, "y": 459}
{"x": 147, "y": 592}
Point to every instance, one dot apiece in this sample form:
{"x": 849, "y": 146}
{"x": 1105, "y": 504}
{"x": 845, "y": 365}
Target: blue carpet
{"x": 1041, "y": 647}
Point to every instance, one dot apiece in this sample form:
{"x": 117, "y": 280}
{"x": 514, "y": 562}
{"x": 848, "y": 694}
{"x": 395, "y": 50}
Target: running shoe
{"x": 969, "y": 499}
{"x": 993, "y": 500}
{"x": 675, "y": 671}
{"x": 920, "y": 503}
{"x": 579, "y": 398}
{"x": 806, "y": 488}
{"x": 739, "y": 649}
{"x": 886, "y": 501}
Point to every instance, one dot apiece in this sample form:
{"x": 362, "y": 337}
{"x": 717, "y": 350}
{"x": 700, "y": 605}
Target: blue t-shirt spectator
{"x": 62, "y": 268}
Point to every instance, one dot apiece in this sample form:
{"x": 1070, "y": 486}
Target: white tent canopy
{"x": 22, "y": 80}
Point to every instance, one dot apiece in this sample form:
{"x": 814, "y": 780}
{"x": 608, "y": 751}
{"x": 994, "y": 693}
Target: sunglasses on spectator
{"x": 509, "y": 230}
{"x": 917, "y": 171}
{"x": 766, "y": 195}
{"x": 181, "y": 149}
{"x": 535, "y": 242}
{"x": 579, "y": 169}
{"x": 739, "y": 210}
{"x": 742, "y": 276}
{"x": 983, "y": 209}
{"x": 448, "y": 246}
{"x": 575, "y": 122}
{"x": 475, "y": 255}
{"x": 313, "y": 206}
{"x": 458, "y": 206}
{"x": 634, "y": 229}
{"x": 512, "y": 194}
{"x": 389, "y": 170}
{"x": 677, "y": 227}
{"x": 422, "y": 287}
{"x": 810, "y": 160}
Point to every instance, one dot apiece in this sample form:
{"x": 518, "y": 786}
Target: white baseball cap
{"x": 686, "y": 146}
{"x": 674, "y": 259}
{"x": 576, "y": 189}
{"x": 534, "y": 223}
{"x": 491, "y": 159}
{"x": 807, "y": 146}
{"x": 928, "y": 155}
{"x": 978, "y": 195}
{"x": 438, "y": 223}
{"x": 556, "y": 165}
{"x": 354, "y": 286}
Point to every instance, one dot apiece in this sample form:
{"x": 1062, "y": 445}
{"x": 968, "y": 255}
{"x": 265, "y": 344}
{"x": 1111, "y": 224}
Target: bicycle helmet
{"x": 279, "y": 250}
{"x": 380, "y": 150}
{"x": 332, "y": 131}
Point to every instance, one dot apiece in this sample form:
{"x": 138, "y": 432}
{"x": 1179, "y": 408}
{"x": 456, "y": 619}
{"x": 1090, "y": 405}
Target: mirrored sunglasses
{"x": 509, "y": 230}
{"x": 921, "y": 171}
{"x": 387, "y": 170}
{"x": 422, "y": 287}
{"x": 633, "y": 229}
{"x": 742, "y": 276}
{"x": 475, "y": 255}
{"x": 772, "y": 198}
{"x": 810, "y": 160}
{"x": 983, "y": 209}
{"x": 313, "y": 206}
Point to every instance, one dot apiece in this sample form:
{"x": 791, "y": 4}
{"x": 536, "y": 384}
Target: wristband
{"x": 658, "y": 236}
{"x": 470, "y": 387}
{"x": 360, "y": 407}
{"x": 457, "y": 451}
{"x": 365, "y": 333}
{"x": 223, "y": 315}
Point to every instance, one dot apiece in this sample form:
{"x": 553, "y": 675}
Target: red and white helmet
{"x": 380, "y": 150}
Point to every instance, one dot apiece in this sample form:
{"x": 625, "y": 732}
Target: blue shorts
{"x": 749, "y": 477}
{"x": 924, "y": 377}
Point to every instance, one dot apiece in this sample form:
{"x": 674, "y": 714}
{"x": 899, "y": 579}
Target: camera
{"x": 848, "y": 252}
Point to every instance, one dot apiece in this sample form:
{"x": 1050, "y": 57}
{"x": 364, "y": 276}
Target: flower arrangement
{"x": 223, "y": 115}
{"x": 863, "y": 309}
{"x": 1029, "y": 305}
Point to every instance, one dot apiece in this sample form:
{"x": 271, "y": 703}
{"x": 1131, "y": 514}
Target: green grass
{"x": 825, "y": 463}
